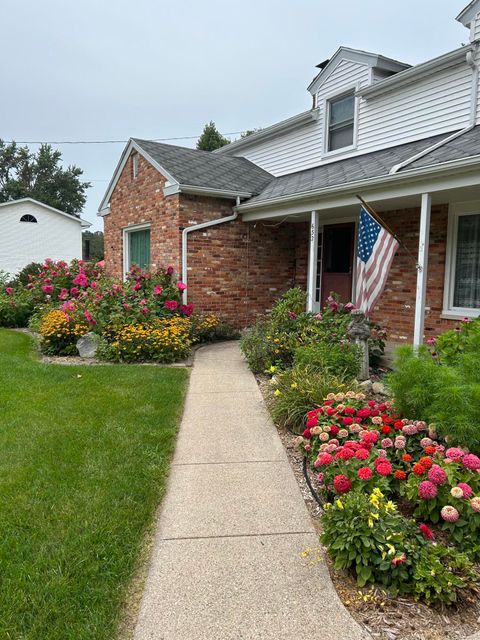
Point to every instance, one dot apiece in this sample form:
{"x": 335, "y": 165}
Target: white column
{"x": 312, "y": 260}
{"x": 422, "y": 269}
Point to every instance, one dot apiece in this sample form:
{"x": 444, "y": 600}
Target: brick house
{"x": 279, "y": 208}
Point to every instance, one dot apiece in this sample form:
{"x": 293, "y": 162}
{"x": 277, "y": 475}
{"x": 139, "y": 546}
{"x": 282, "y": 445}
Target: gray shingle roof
{"x": 465, "y": 146}
{"x": 206, "y": 169}
{"x": 362, "y": 167}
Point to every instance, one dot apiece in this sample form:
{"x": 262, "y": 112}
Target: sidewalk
{"x": 227, "y": 560}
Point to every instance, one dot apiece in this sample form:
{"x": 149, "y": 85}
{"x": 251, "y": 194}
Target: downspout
{"x": 470, "y": 59}
{"x": 198, "y": 227}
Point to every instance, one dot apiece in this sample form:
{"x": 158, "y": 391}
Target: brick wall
{"x": 396, "y": 308}
{"x": 236, "y": 269}
{"x": 138, "y": 200}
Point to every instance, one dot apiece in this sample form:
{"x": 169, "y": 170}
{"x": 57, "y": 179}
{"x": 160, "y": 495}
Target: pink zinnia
{"x": 449, "y": 513}
{"x": 427, "y": 490}
{"x": 466, "y": 488}
{"x": 171, "y": 305}
{"x": 387, "y": 443}
{"x": 437, "y": 475}
{"x": 342, "y": 484}
{"x": 365, "y": 473}
{"x": 384, "y": 469}
{"x": 157, "y": 290}
{"x": 454, "y": 453}
{"x": 475, "y": 504}
{"x": 471, "y": 462}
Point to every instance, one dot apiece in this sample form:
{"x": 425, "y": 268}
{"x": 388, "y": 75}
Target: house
{"x": 279, "y": 207}
{"x": 31, "y": 231}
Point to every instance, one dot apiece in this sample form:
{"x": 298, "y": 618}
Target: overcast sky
{"x": 105, "y": 70}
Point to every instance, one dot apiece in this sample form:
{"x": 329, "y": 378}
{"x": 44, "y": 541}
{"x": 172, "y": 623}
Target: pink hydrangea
{"x": 449, "y": 513}
{"x": 466, "y": 488}
{"x": 437, "y": 475}
{"x": 471, "y": 462}
{"x": 427, "y": 490}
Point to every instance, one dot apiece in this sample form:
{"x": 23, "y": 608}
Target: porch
{"x": 434, "y": 280}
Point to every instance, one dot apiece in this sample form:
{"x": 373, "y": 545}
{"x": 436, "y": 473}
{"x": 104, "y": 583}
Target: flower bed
{"x": 365, "y": 457}
{"x": 139, "y": 319}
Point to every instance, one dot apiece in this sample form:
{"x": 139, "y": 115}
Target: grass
{"x": 84, "y": 456}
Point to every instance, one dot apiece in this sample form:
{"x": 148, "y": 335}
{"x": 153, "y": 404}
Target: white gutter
{"x": 470, "y": 58}
{"x": 198, "y": 227}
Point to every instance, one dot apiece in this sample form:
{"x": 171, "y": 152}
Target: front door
{"x": 337, "y": 261}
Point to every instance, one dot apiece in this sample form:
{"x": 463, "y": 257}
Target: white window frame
{"x": 126, "y": 243}
{"x": 326, "y": 127}
{"x": 135, "y": 165}
{"x": 455, "y": 211}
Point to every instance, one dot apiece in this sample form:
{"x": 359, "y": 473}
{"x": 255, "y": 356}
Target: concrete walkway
{"x": 235, "y": 553}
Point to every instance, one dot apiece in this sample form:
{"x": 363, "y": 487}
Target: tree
{"x": 211, "y": 138}
{"x": 92, "y": 245}
{"x": 40, "y": 176}
{"x": 249, "y": 132}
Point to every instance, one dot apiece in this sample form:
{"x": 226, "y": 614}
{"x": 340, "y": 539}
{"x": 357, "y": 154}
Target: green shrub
{"x": 341, "y": 359}
{"x": 449, "y": 396}
{"x": 29, "y": 272}
{"x": 16, "y": 306}
{"x": 296, "y": 391}
{"x": 294, "y": 301}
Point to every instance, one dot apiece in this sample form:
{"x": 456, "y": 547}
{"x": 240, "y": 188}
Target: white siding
{"x": 52, "y": 236}
{"x": 437, "y": 104}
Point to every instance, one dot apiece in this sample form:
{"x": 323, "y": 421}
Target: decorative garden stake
{"x": 359, "y": 332}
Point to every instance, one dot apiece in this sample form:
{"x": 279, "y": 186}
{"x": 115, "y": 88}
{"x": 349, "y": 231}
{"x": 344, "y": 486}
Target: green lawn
{"x": 84, "y": 456}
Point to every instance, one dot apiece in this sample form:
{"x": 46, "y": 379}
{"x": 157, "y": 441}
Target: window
{"x": 135, "y": 165}
{"x": 341, "y": 120}
{"x": 462, "y": 284}
{"x": 28, "y": 218}
{"x": 136, "y": 247}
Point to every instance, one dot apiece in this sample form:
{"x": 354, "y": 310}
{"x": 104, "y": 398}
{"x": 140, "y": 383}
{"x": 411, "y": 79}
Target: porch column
{"x": 422, "y": 269}
{"x": 312, "y": 260}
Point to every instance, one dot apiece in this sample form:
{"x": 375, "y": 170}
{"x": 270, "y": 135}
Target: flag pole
{"x": 380, "y": 221}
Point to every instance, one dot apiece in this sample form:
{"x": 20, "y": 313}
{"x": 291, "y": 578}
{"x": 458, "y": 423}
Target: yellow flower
{"x": 339, "y": 504}
{"x": 277, "y": 392}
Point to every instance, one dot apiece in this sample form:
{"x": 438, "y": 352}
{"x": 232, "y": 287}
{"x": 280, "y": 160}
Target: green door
{"x": 140, "y": 248}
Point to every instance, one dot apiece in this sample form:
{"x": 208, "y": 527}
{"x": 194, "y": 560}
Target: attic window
{"x": 28, "y": 218}
{"x": 341, "y": 120}
{"x": 135, "y": 165}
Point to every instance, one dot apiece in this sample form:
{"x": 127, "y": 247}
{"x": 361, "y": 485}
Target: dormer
{"x": 335, "y": 94}
{"x": 470, "y": 18}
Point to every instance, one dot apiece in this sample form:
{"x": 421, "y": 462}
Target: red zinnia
{"x": 307, "y": 434}
{"x": 426, "y": 462}
{"x": 427, "y": 532}
{"x": 362, "y": 454}
{"x": 418, "y": 469}
{"x": 399, "y": 475}
{"x": 342, "y": 484}
{"x": 364, "y": 473}
{"x": 384, "y": 468}
{"x": 430, "y": 450}
{"x": 407, "y": 457}
{"x": 398, "y": 424}
{"x": 385, "y": 429}
{"x": 334, "y": 430}
{"x": 347, "y": 421}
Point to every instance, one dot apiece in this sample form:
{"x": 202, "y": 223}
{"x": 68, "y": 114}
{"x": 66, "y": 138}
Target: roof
{"x": 366, "y": 166}
{"x": 84, "y": 223}
{"x": 466, "y": 15}
{"x": 205, "y": 169}
{"x": 466, "y": 145}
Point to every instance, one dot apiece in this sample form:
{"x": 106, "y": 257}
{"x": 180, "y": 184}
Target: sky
{"x": 103, "y": 70}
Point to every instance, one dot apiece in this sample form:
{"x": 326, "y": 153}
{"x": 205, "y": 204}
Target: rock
{"x": 379, "y": 388}
{"x": 366, "y": 385}
{"x": 87, "y": 345}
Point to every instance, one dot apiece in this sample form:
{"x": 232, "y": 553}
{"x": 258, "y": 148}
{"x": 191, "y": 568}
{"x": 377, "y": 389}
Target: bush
{"x": 449, "y": 396}
{"x": 209, "y": 328}
{"x": 341, "y": 359}
{"x": 366, "y": 533}
{"x": 60, "y": 332}
{"x": 25, "y": 275}
{"x": 16, "y": 306}
{"x": 161, "y": 340}
{"x": 294, "y": 391}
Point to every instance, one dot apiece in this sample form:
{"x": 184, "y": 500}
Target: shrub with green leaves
{"x": 448, "y": 396}
{"x": 16, "y": 306}
{"x": 341, "y": 360}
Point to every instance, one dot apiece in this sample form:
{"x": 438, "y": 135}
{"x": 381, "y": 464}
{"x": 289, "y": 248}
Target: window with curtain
{"x": 466, "y": 293}
{"x": 139, "y": 250}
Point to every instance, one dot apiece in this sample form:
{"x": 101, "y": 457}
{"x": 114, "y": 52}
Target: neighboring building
{"x": 31, "y": 231}
{"x": 406, "y": 139}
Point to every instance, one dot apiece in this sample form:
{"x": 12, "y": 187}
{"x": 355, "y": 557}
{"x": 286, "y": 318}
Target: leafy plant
{"x": 341, "y": 359}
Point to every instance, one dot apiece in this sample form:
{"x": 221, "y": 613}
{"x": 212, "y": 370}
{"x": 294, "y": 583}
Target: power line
{"x": 231, "y": 133}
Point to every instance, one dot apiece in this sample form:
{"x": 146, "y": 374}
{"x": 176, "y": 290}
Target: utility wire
{"x": 231, "y": 133}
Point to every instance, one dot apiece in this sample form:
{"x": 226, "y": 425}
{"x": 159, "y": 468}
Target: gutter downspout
{"x": 470, "y": 59}
{"x": 198, "y": 227}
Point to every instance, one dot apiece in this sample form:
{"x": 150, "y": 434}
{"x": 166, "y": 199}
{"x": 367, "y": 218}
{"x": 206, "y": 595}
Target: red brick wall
{"x": 138, "y": 200}
{"x": 236, "y": 269}
{"x": 396, "y": 308}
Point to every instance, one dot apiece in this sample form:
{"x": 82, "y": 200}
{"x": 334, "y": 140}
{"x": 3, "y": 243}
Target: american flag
{"x": 375, "y": 253}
